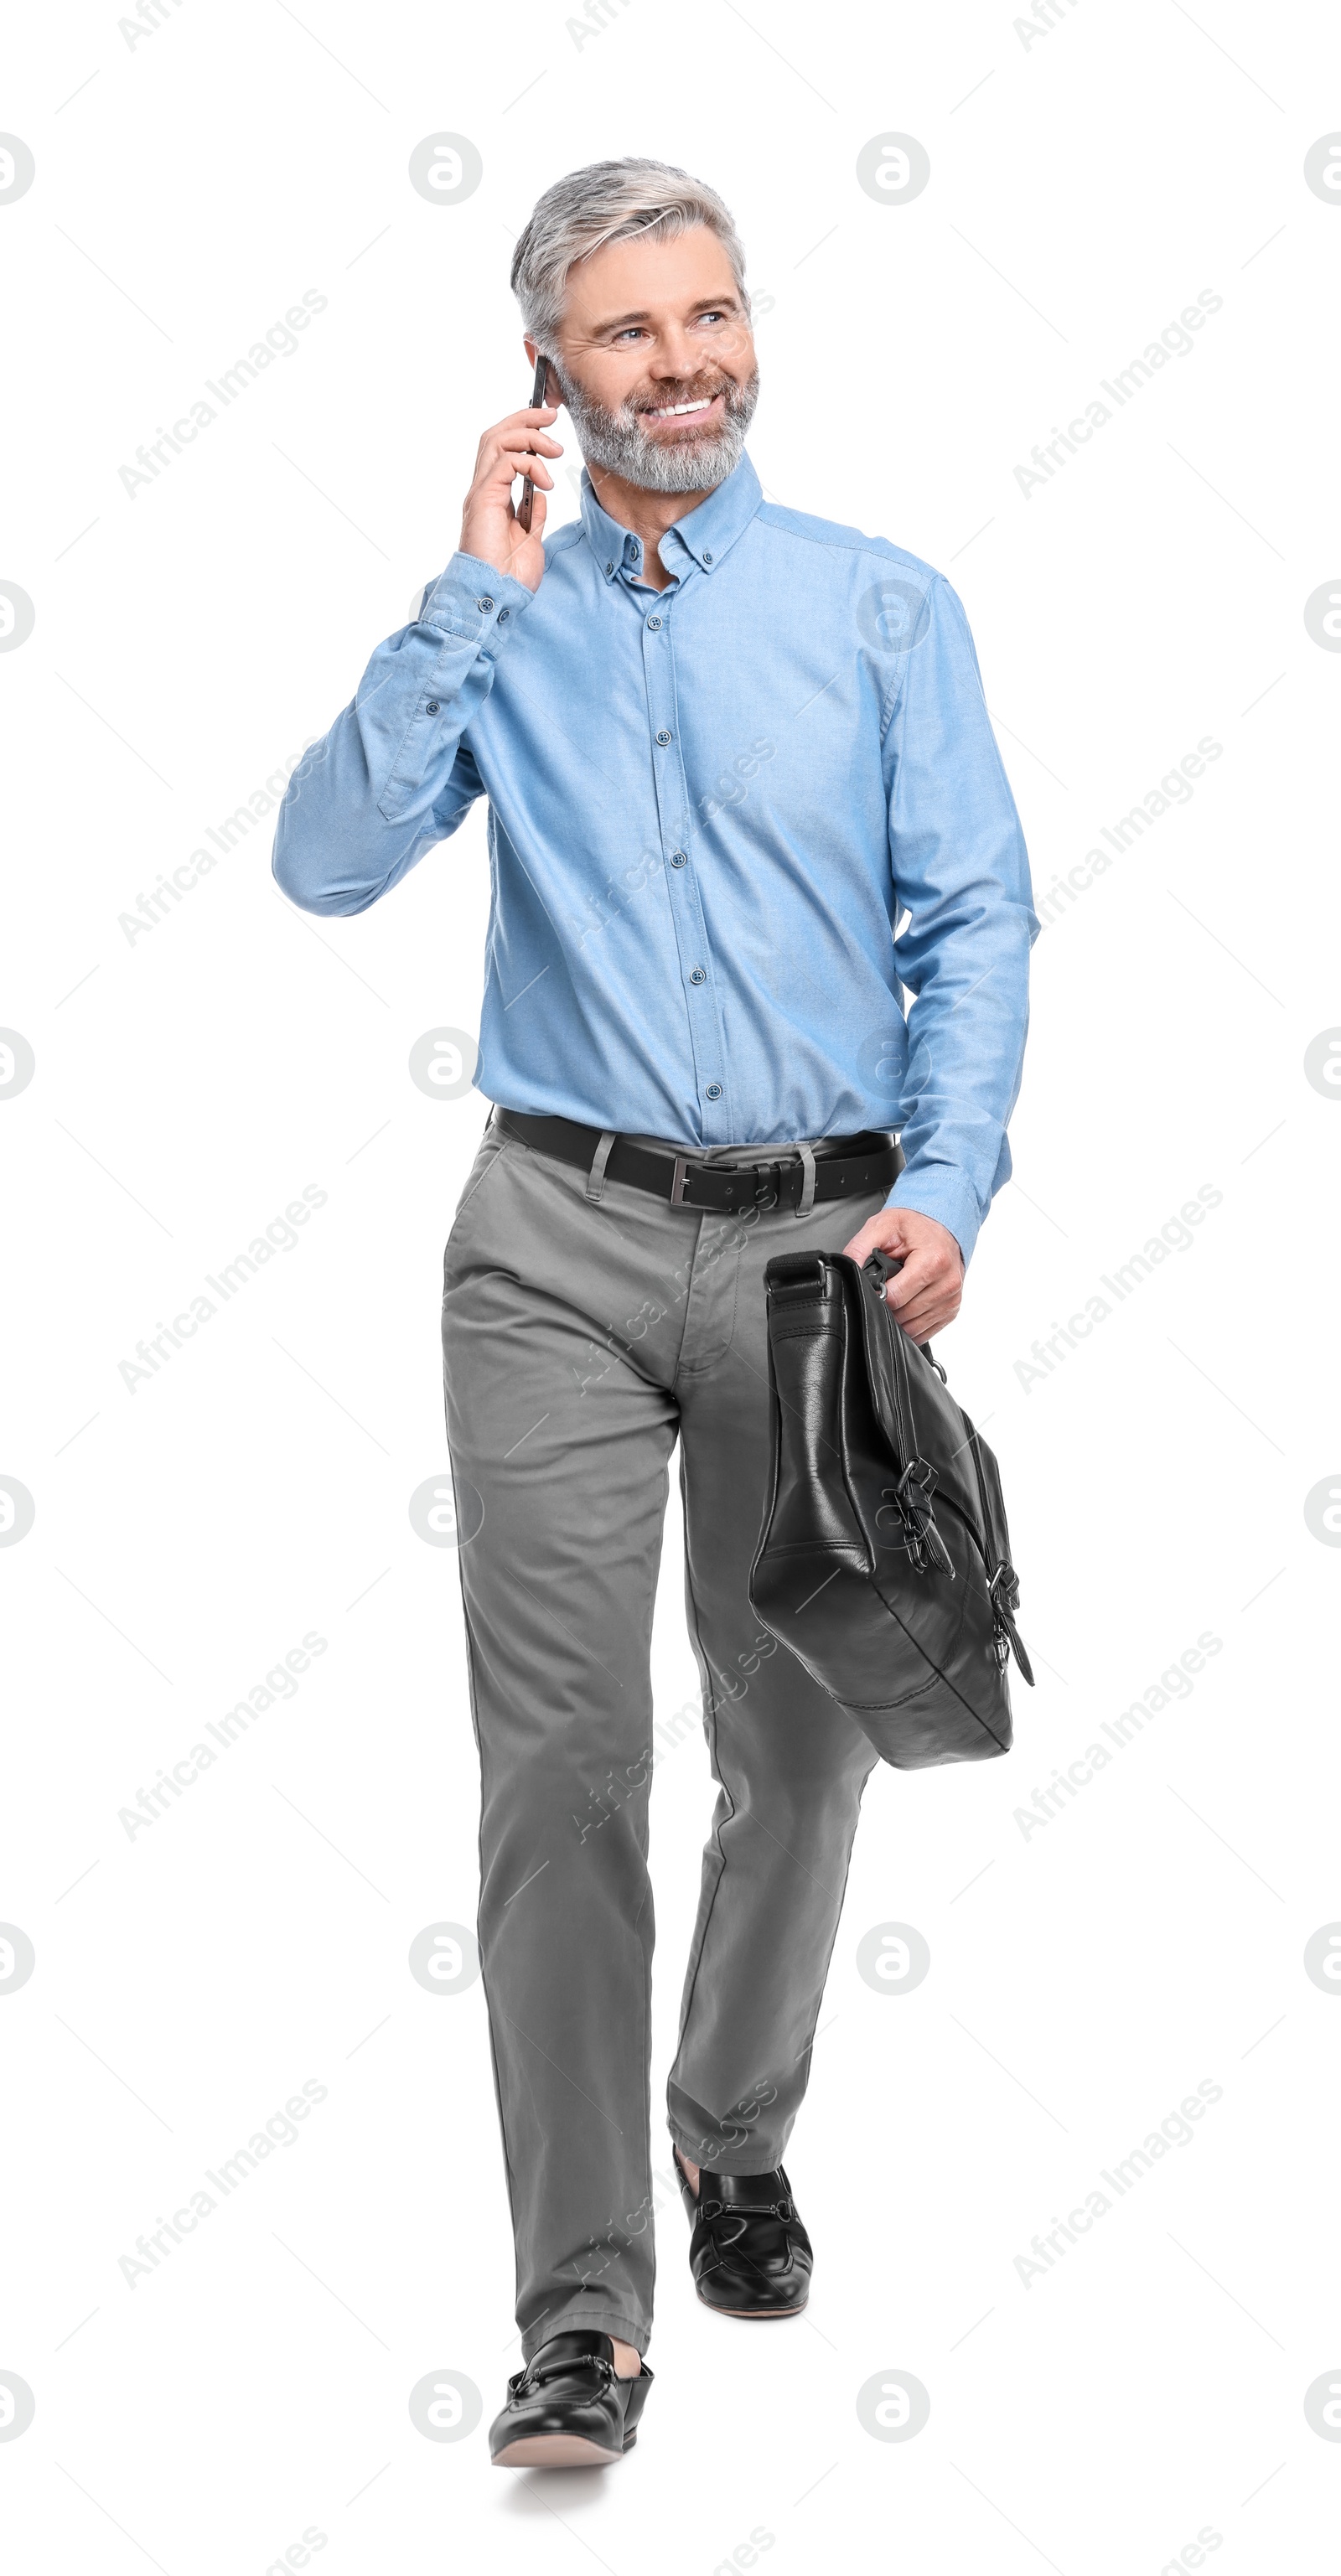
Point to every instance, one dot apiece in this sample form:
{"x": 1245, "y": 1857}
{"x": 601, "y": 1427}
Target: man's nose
{"x": 674, "y": 355}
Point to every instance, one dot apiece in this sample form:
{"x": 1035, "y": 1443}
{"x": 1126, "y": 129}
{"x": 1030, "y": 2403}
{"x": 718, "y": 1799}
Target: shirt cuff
{"x": 474, "y": 602}
{"x": 938, "y": 1190}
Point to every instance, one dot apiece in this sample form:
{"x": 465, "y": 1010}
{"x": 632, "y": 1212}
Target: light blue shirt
{"x": 728, "y": 821}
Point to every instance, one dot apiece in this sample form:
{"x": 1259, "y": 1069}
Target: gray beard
{"x": 615, "y": 442}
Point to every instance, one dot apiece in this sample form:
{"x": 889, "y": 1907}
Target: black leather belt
{"x": 845, "y": 1166}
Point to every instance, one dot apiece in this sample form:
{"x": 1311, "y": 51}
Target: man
{"x": 742, "y": 787}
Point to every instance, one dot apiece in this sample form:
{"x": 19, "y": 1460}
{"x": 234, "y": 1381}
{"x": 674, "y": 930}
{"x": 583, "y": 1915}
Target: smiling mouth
{"x": 684, "y": 410}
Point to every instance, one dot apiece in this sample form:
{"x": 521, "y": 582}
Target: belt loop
{"x": 807, "y": 1198}
{"x": 596, "y": 1176}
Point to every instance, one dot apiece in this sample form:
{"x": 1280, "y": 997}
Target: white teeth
{"x": 676, "y": 411}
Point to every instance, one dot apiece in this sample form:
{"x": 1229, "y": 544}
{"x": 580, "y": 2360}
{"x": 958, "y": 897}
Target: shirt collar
{"x": 705, "y": 534}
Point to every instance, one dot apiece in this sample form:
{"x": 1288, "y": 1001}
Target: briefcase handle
{"x": 880, "y": 1268}
{"x": 803, "y": 1278}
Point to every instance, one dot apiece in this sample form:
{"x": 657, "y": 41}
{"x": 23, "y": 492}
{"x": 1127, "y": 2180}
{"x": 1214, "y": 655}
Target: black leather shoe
{"x": 749, "y": 2253}
{"x": 567, "y": 2409}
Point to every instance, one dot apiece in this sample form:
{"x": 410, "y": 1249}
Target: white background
{"x": 1085, "y": 186}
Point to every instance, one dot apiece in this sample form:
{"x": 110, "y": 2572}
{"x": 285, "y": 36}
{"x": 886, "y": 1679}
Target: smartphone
{"x": 528, "y": 487}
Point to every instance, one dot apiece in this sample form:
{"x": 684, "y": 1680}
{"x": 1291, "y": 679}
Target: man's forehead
{"x": 633, "y": 281}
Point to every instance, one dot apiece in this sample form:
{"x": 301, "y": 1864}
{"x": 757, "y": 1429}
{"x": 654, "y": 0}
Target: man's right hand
{"x": 489, "y": 523}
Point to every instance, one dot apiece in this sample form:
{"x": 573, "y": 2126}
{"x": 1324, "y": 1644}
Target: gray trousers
{"x": 584, "y": 1326}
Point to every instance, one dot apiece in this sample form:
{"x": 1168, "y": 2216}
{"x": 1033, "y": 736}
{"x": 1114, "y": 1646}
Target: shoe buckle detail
{"x": 537, "y": 2372}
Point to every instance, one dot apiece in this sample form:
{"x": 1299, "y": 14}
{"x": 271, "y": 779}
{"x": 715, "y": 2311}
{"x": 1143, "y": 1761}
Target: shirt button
{"x": 698, "y": 974}
{"x": 663, "y": 737}
{"x": 707, "y": 559}
{"x": 484, "y": 606}
{"x": 713, "y": 1092}
{"x": 654, "y": 622}
{"x": 432, "y": 708}
{"x": 679, "y": 858}
{"x": 609, "y": 567}
{"x": 503, "y": 616}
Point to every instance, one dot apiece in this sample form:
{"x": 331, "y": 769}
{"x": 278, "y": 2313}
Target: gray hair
{"x": 609, "y": 201}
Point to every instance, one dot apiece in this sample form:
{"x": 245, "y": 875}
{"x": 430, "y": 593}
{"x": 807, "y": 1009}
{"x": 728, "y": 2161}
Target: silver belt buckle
{"x": 678, "y": 1180}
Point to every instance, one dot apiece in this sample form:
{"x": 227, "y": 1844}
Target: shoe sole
{"x": 556, "y": 2451}
{"x": 757, "y": 2316}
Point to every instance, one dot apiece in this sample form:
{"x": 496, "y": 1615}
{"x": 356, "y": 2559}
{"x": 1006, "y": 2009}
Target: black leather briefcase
{"x": 884, "y": 1564}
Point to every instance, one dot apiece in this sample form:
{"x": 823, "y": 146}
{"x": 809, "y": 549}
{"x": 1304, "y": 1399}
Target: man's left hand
{"x": 926, "y": 1293}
